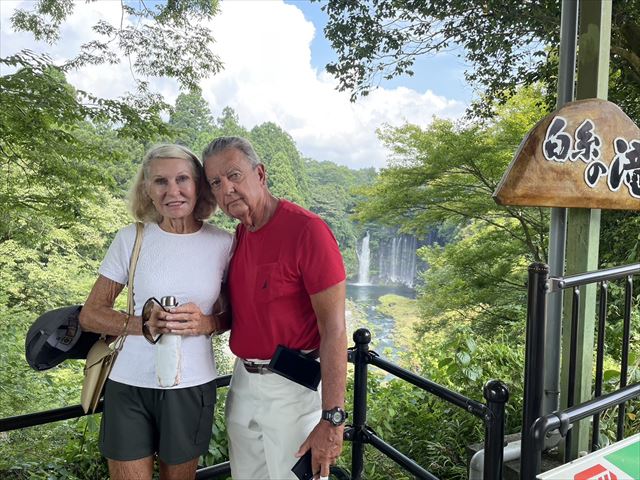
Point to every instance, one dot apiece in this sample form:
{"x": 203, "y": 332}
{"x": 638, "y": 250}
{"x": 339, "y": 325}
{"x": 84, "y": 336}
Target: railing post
{"x": 362, "y": 338}
{"x": 533, "y": 365}
{"x": 496, "y": 394}
{"x": 602, "y": 317}
{"x": 572, "y": 369}
{"x": 626, "y": 337}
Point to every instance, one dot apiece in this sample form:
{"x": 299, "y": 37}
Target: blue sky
{"x": 442, "y": 73}
{"x": 274, "y": 53}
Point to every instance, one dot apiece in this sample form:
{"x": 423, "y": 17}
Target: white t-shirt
{"x": 189, "y": 267}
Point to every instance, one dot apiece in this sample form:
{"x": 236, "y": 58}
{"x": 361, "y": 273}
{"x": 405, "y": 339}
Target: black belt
{"x": 253, "y": 367}
{"x": 263, "y": 368}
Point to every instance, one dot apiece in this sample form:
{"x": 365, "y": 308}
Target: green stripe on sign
{"x": 627, "y": 459}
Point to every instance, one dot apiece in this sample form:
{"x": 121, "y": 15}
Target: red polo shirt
{"x": 271, "y": 276}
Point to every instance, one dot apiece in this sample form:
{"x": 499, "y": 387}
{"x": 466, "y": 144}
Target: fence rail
{"x": 66, "y": 413}
{"x": 360, "y": 434}
{"x": 495, "y": 392}
{"x": 535, "y": 426}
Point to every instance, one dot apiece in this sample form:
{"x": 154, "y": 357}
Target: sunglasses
{"x": 146, "y": 315}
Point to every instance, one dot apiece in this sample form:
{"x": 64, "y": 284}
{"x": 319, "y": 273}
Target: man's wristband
{"x": 336, "y": 416}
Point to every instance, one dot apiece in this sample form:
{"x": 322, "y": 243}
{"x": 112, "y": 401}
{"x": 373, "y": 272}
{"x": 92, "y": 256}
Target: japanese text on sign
{"x": 586, "y": 145}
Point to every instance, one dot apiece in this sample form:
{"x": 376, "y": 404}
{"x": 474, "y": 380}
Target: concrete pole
{"x": 583, "y": 225}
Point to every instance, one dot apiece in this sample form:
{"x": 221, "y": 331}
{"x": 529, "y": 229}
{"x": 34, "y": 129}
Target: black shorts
{"x": 139, "y": 422}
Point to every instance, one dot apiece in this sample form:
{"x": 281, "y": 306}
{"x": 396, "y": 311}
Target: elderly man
{"x": 287, "y": 287}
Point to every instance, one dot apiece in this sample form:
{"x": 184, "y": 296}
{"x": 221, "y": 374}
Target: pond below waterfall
{"x": 366, "y": 299}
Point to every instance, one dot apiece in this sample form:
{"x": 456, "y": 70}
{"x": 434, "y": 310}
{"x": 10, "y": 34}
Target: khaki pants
{"x": 268, "y": 417}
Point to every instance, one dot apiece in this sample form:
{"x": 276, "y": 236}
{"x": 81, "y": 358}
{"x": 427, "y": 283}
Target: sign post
{"x": 558, "y": 221}
{"x": 583, "y": 157}
{"x": 583, "y": 225}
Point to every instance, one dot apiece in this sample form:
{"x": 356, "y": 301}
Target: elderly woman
{"x": 184, "y": 257}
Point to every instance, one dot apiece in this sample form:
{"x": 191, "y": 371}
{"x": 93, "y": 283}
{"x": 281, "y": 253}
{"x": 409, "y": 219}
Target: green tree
{"x": 46, "y": 165}
{"x": 443, "y": 177}
{"x": 446, "y": 174}
{"x": 270, "y": 141}
{"x": 330, "y": 201}
{"x": 282, "y": 180}
{"x": 42, "y": 146}
{"x": 620, "y": 238}
{"x": 168, "y": 40}
{"x": 333, "y": 190}
{"x": 191, "y": 117}
{"x": 228, "y": 124}
{"x": 506, "y": 44}
{"x": 49, "y": 265}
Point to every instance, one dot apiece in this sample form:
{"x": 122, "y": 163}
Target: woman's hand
{"x": 188, "y": 319}
{"x": 156, "y": 324}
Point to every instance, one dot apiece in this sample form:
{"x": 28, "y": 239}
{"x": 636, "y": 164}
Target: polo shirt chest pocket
{"x": 272, "y": 282}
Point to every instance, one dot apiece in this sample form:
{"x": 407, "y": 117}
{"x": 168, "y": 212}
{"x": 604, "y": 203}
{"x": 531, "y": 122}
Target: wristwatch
{"x": 336, "y": 416}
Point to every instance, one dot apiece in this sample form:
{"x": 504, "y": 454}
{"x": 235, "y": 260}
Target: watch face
{"x": 336, "y": 416}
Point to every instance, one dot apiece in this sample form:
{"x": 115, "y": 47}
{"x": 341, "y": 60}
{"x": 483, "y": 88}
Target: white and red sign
{"x": 619, "y": 461}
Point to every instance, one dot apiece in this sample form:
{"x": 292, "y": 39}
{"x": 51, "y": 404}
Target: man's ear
{"x": 262, "y": 173}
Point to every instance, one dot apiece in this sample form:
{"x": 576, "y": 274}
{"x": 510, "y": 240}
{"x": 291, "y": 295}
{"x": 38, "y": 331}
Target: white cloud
{"x": 268, "y": 76}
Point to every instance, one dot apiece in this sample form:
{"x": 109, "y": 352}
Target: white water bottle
{"x": 168, "y": 353}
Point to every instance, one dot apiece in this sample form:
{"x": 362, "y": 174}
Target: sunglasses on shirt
{"x": 147, "y": 309}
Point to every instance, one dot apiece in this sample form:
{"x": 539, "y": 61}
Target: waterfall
{"x": 364, "y": 259}
{"x": 397, "y": 260}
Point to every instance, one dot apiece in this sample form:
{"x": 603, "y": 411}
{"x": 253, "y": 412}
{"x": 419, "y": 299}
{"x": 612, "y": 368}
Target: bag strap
{"x": 133, "y": 262}
{"x": 132, "y": 266}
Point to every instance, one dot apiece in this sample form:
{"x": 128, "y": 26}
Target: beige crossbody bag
{"x": 103, "y": 354}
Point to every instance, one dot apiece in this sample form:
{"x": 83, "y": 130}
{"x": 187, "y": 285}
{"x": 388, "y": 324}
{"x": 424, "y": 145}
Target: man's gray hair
{"x": 239, "y": 143}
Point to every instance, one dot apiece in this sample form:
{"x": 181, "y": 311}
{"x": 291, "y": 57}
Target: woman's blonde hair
{"x": 140, "y": 204}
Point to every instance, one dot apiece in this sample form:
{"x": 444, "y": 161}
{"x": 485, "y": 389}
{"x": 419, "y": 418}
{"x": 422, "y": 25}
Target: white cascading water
{"x": 397, "y": 260}
{"x": 364, "y": 258}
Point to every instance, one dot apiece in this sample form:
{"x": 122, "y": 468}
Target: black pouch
{"x": 302, "y": 468}
{"x": 296, "y": 366}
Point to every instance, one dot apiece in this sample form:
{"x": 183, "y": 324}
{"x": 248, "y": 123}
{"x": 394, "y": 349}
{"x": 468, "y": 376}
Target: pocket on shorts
{"x": 207, "y": 406}
{"x": 103, "y": 416}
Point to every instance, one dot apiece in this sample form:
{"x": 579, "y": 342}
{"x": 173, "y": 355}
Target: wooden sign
{"x": 584, "y": 155}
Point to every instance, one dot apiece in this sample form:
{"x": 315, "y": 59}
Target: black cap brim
{"x": 56, "y": 336}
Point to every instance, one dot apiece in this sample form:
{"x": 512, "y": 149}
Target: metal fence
{"x": 492, "y": 414}
{"x": 536, "y": 426}
{"x": 359, "y": 433}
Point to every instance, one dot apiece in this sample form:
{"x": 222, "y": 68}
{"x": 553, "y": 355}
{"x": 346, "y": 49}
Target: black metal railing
{"x": 562, "y": 420}
{"x": 492, "y": 414}
{"x": 66, "y": 413}
{"x": 76, "y": 411}
{"x": 534, "y": 425}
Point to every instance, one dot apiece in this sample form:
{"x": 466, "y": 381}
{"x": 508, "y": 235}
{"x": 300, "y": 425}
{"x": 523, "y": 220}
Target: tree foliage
{"x": 279, "y": 153}
{"x": 44, "y": 146}
{"x": 333, "y": 196}
{"x": 39, "y": 149}
{"x": 168, "y": 40}
{"x": 190, "y": 117}
{"x": 506, "y": 43}
{"x": 447, "y": 173}
{"x": 443, "y": 176}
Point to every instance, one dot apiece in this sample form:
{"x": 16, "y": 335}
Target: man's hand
{"x": 325, "y": 442}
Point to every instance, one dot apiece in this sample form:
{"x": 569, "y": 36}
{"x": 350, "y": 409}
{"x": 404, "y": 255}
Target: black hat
{"x": 56, "y": 336}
